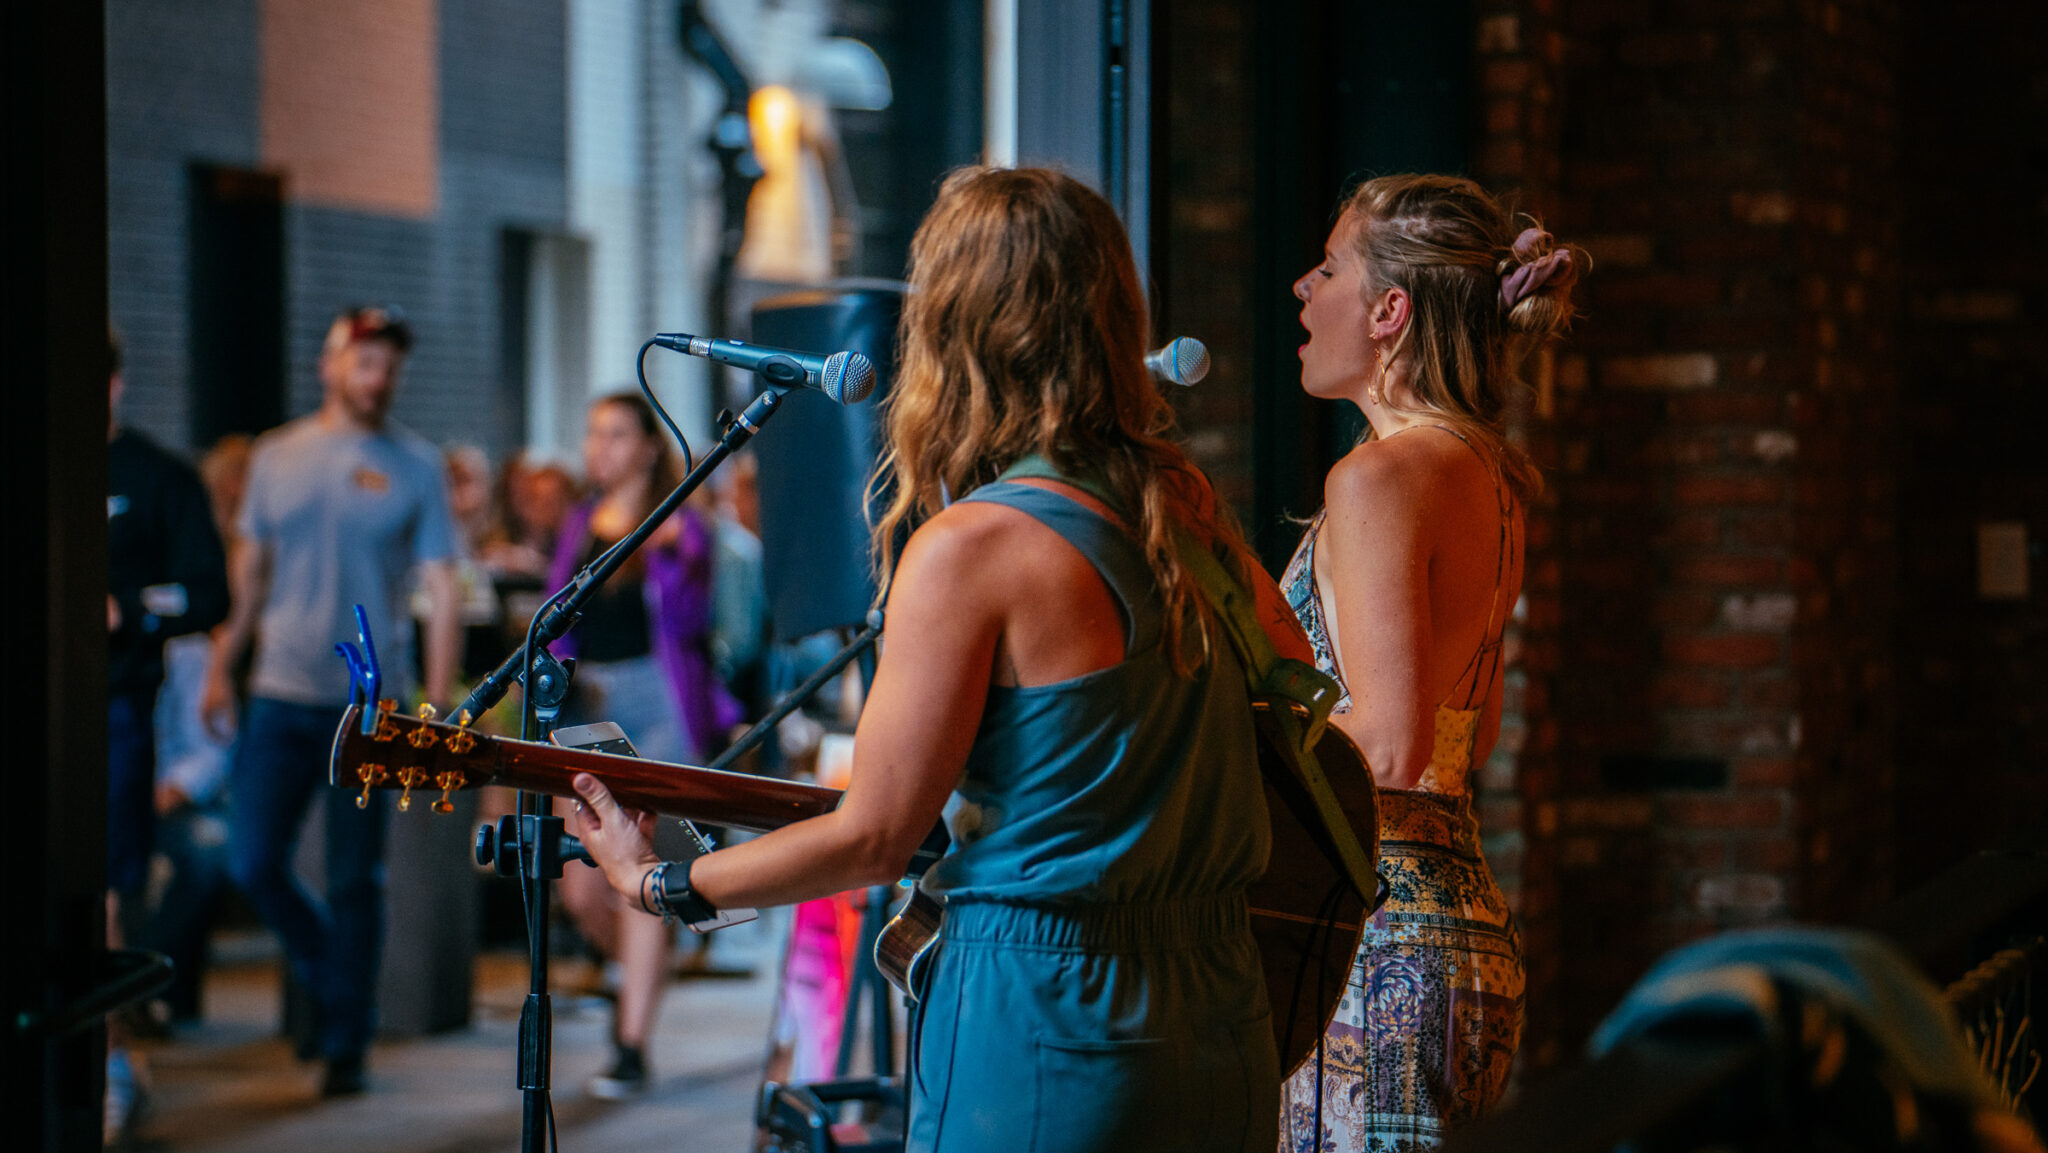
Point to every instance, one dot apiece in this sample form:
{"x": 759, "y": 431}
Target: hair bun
{"x": 1536, "y": 280}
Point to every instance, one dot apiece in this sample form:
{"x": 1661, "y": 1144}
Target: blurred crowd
{"x": 225, "y": 580}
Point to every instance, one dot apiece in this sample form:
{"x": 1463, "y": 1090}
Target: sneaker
{"x": 627, "y": 1078}
{"x": 127, "y": 1092}
{"x": 344, "y": 1077}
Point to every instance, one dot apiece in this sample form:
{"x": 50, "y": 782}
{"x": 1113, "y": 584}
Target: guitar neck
{"x": 425, "y": 757}
{"x": 683, "y": 791}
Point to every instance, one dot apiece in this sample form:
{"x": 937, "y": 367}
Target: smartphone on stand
{"x": 608, "y": 737}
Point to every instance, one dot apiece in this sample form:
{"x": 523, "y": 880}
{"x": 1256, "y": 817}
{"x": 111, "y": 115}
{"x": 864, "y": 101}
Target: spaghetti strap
{"x": 1490, "y": 644}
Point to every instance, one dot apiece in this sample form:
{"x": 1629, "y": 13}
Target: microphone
{"x": 1183, "y": 361}
{"x": 846, "y": 377}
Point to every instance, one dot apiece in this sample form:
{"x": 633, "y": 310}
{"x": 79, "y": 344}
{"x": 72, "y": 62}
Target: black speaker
{"x": 815, "y": 459}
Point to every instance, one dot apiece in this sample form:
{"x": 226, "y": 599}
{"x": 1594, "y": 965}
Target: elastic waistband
{"x": 1098, "y": 927}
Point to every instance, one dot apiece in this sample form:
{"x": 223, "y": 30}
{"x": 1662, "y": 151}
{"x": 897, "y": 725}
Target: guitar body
{"x": 1306, "y": 916}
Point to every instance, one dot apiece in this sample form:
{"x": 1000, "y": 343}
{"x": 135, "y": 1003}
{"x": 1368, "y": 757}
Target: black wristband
{"x": 676, "y": 895}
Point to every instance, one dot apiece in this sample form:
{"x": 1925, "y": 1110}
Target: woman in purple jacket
{"x": 643, "y": 661}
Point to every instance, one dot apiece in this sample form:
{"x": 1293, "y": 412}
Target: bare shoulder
{"x": 1383, "y": 476}
{"x": 965, "y": 548}
{"x": 1415, "y": 470}
{"x": 958, "y": 539}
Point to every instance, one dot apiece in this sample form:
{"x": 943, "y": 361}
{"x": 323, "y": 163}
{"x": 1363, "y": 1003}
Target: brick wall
{"x": 185, "y": 87}
{"x": 1972, "y": 734}
{"x": 1518, "y": 51}
{"x": 1840, "y": 436}
{"x": 349, "y": 102}
{"x": 181, "y": 88}
{"x": 1203, "y": 263}
{"x": 1724, "y": 540}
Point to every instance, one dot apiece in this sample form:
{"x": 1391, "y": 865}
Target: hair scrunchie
{"x": 1536, "y": 271}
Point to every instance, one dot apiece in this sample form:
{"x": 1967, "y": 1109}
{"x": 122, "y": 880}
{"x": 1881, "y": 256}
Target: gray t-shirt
{"x": 345, "y": 515}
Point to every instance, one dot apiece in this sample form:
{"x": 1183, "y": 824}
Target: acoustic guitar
{"x": 1306, "y": 916}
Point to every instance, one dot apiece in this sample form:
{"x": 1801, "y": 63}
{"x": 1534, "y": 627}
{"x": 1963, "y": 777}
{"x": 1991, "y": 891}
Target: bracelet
{"x": 678, "y": 899}
{"x": 656, "y": 874}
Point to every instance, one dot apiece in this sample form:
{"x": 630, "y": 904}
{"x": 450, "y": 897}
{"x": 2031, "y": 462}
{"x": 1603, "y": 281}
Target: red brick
{"x": 1505, "y": 77}
{"x": 1770, "y": 692}
{"x": 1761, "y": 773}
{"x": 1608, "y": 811}
{"x": 1682, "y": 448}
{"x": 1714, "y": 491}
{"x": 1669, "y": 607}
{"x": 1674, "y": 290}
{"x": 1693, "y": 853}
{"x": 1690, "y": 690}
{"x": 1666, "y": 373}
{"x": 1503, "y": 114}
{"x": 1741, "y": 894}
{"x": 1772, "y": 529}
{"x": 1763, "y": 854}
{"x": 1721, "y": 407}
{"x": 1763, "y": 811}
{"x": 1725, "y": 651}
{"x": 1663, "y": 49}
{"x": 1723, "y": 569}
{"x": 1689, "y": 528}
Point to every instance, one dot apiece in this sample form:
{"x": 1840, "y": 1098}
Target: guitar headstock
{"x": 408, "y": 753}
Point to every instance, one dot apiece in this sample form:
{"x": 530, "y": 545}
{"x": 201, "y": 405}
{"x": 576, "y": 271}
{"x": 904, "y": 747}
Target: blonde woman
{"x": 1404, "y": 584}
{"x": 1047, "y": 656}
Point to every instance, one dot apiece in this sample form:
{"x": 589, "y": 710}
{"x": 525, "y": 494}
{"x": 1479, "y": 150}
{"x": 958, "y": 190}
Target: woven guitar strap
{"x": 1299, "y": 696}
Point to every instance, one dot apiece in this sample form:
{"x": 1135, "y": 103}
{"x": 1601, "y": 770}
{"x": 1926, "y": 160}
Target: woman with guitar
{"x": 1049, "y": 657}
{"x": 1405, "y": 582}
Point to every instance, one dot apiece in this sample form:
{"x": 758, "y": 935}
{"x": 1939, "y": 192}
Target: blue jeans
{"x": 131, "y": 788}
{"x": 194, "y": 841}
{"x": 333, "y": 946}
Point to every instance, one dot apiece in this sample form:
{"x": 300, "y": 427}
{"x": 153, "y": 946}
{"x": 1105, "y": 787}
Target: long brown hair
{"x": 1024, "y": 332}
{"x": 1448, "y": 244}
{"x": 667, "y": 472}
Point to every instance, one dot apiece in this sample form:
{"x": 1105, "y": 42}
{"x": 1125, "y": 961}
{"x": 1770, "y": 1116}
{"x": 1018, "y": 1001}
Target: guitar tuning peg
{"x": 449, "y": 780}
{"x": 409, "y": 777}
{"x": 427, "y": 711}
{"x": 462, "y": 718}
{"x": 371, "y": 776}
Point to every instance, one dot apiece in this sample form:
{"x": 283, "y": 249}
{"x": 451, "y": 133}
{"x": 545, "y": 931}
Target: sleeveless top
{"x": 1129, "y": 784}
{"x": 1425, "y": 1035}
{"x": 1457, "y": 725}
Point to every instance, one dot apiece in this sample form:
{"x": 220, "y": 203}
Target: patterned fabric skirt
{"x": 1429, "y": 1022}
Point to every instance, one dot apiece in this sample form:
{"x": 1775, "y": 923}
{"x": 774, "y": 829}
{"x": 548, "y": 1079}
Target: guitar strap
{"x": 1298, "y": 694}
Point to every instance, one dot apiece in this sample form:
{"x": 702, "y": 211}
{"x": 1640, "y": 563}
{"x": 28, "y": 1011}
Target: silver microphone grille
{"x": 1183, "y": 361}
{"x": 849, "y": 377}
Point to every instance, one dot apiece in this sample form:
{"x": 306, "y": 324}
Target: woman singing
{"x": 1405, "y": 583}
{"x": 1047, "y": 657}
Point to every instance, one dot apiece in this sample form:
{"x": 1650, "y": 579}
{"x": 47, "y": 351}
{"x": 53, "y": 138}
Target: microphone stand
{"x": 542, "y": 845}
{"x": 792, "y": 700}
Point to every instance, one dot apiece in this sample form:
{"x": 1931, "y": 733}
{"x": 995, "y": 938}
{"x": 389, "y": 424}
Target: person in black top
{"x": 166, "y": 575}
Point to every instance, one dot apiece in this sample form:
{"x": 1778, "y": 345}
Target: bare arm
{"x": 1376, "y": 579}
{"x": 1278, "y": 619}
{"x": 248, "y": 587}
{"x": 444, "y": 630}
{"x": 939, "y": 646}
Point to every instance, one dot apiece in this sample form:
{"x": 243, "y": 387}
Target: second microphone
{"x": 847, "y": 377}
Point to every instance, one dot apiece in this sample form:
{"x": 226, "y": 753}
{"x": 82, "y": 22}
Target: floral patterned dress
{"x": 1432, "y": 1012}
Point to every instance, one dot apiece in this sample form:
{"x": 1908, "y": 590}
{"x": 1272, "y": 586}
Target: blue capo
{"x": 365, "y": 677}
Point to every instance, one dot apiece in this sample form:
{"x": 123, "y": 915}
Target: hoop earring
{"x": 1372, "y": 392}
